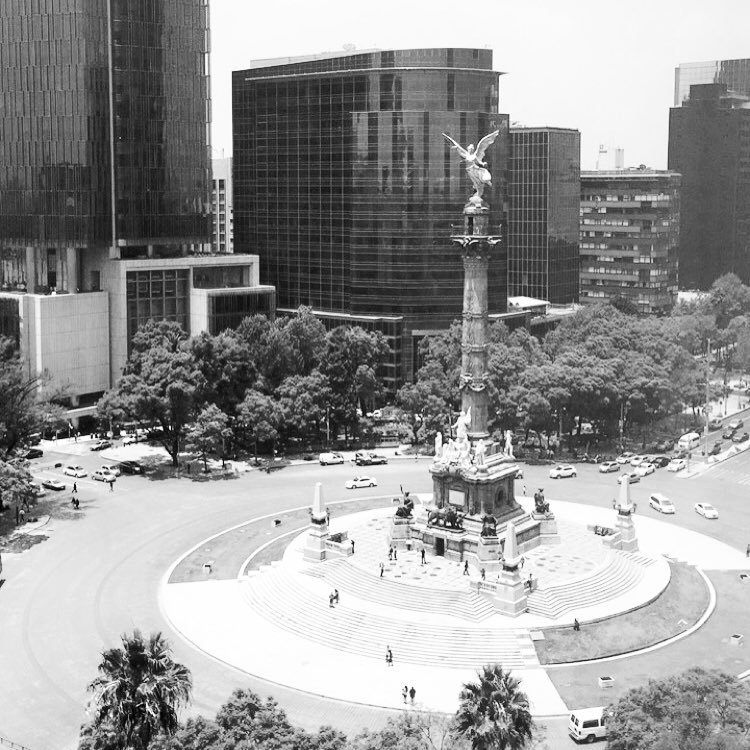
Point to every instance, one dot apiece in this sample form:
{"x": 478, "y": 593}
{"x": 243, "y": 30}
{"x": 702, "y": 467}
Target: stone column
{"x": 315, "y": 549}
{"x": 510, "y": 594}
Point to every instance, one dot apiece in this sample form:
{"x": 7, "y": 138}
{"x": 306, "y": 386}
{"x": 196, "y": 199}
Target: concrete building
{"x": 104, "y": 185}
{"x": 347, "y": 191}
{"x": 709, "y": 144}
{"x": 544, "y": 191}
{"x": 222, "y": 219}
{"x": 630, "y": 222}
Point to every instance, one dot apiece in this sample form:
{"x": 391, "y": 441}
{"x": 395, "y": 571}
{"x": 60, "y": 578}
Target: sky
{"x": 605, "y": 68}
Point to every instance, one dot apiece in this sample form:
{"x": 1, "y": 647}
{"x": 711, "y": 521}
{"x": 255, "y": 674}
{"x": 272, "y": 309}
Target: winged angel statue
{"x": 476, "y": 168}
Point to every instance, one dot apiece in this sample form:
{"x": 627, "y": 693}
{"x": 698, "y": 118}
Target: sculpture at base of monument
{"x": 480, "y": 449}
{"x": 541, "y": 506}
{"x": 406, "y": 507}
{"x": 476, "y": 168}
{"x": 508, "y": 444}
{"x": 438, "y": 446}
{"x": 489, "y": 525}
{"x": 447, "y": 517}
{"x": 463, "y": 422}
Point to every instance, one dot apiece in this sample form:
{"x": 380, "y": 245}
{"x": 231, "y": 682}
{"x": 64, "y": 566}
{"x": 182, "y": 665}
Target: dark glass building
{"x": 544, "y": 194}
{"x": 105, "y": 129}
{"x": 630, "y": 221}
{"x": 735, "y": 74}
{"x": 709, "y": 144}
{"x": 345, "y": 188}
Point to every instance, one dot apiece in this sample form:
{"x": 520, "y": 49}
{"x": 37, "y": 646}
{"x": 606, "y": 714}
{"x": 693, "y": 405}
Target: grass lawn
{"x": 676, "y": 609}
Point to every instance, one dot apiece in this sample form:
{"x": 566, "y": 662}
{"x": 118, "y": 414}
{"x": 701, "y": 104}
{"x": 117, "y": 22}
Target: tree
{"x": 161, "y": 383}
{"x": 728, "y": 298}
{"x": 258, "y": 416}
{"x": 138, "y": 693}
{"x": 494, "y": 713}
{"x": 15, "y": 481}
{"x": 209, "y": 435}
{"x": 684, "y": 710}
{"x": 302, "y": 405}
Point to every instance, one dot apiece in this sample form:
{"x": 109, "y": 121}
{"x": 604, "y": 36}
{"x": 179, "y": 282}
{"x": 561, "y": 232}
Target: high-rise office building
{"x": 629, "y": 235}
{"x": 709, "y": 144}
{"x": 222, "y": 222}
{"x": 104, "y": 182}
{"x": 346, "y": 189}
{"x": 544, "y": 192}
{"x": 735, "y": 74}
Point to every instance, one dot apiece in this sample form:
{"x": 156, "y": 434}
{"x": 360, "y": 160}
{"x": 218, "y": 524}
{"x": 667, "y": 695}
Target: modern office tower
{"x": 544, "y": 192}
{"x": 104, "y": 182}
{"x": 630, "y": 222}
{"x": 346, "y": 189}
{"x": 222, "y": 224}
{"x": 735, "y": 74}
{"x": 709, "y": 144}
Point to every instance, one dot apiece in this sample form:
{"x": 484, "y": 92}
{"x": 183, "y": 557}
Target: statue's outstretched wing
{"x": 462, "y": 151}
{"x": 485, "y": 143}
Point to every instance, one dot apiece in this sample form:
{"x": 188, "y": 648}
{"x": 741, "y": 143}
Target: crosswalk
{"x": 728, "y": 471}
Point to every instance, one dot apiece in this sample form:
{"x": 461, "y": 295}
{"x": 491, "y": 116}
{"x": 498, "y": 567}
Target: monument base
{"x": 547, "y": 528}
{"x": 624, "y": 537}
{"x": 315, "y": 549}
{"x": 399, "y": 535}
{"x": 508, "y": 594}
{"x": 489, "y": 550}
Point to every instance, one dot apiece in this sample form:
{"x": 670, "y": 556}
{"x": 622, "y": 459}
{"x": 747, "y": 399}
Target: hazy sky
{"x": 605, "y": 67}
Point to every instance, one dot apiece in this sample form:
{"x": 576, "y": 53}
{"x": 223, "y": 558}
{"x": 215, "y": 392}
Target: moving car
{"x": 689, "y": 441}
{"x": 631, "y": 476}
{"x": 735, "y": 424}
{"x": 330, "y": 458}
{"x": 74, "y": 471}
{"x": 131, "y": 467}
{"x": 34, "y": 453}
{"x": 53, "y": 484}
{"x": 609, "y": 466}
{"x": 365, "y": 458}
{"x": 624, "y": 458}
{"x": 100, "y": 445}
{"x": 588, "y": 724}
{"x": 659, "y": 462}
{"x": 638, "y": 460}
{"x": 377, "y": 458}
{"x": 111, "y": 468}
{"x": 737, "y": 438}
{"x": 359, "y": 482}
{"x": 661, "y": 503}
{"x": 714, "y": 424}
{"x": 727, "y": 434}
{"x": 677, "y": 464}
{"x": 715, "y": 449}
{"x": 643, "y": 470}
{"x": 103, "y": 476}
{"x": 706, "y": 510}
{"x": 562, "y": 470}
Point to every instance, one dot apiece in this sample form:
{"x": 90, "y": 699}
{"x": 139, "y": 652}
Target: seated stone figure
{"x": 489, "y": 525}
{"x": 405, "y": 508}
{"x": 541, "y": 506}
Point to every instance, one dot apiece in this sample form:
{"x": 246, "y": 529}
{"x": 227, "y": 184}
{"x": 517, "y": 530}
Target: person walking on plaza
{"x": 75, "y": 488}
{"x": 352, "y": 541}
{"x": 330, "y": 600}
{"x": 576, "y": 624}
{"x": 423, "y": 556}
{"x": 336, "y": 596}
{"x": 388, "y": 656}
{"x": 405, "y": 692}
{"x": 111, "y": 485}
{"x": 390, "y": 553}
{"x": 466, "y": 567}
{"x": 395, "y": 554}
{"x": 382, "y": 568}
{"x": 412, "y": 693}
{"x": 483, "y": 573}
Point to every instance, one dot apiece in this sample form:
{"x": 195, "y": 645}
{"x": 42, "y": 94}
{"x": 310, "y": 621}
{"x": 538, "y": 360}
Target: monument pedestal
{"x": 488, "y": 553}
{"x": 399, "y": 535}
{"x": 510, "y": 593}
{"x": 625, "y": 530}
{"x": 315, "y": 549}
{"x": 547, "y": 528}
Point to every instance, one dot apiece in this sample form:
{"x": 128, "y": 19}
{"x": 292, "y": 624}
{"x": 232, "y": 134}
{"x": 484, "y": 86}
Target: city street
{"x": 97, "y": 576}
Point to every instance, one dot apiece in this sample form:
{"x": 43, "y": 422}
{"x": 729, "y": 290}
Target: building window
{"x": 157, "y": 295}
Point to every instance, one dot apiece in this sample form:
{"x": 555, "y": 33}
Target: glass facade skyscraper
{"x": 544, "y": 195}
{"x": 735, "y": 74}
{"x": 345, "y": 188}
{"x": 709, "y": 144}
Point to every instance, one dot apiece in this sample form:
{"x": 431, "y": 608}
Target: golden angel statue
{"x": 476, "y": 168}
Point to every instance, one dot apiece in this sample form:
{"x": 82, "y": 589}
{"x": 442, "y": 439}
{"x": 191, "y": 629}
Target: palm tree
{"x": 139, "y": 691}
{"x": 494, "y": 713}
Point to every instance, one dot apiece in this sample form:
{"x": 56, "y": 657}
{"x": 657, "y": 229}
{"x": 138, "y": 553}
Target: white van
{"x": 689, "y": 441}
{"x": 588, "y": 724}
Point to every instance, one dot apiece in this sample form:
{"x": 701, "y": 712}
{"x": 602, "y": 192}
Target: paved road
{"x": 98, "y": 576}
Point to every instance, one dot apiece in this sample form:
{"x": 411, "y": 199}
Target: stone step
{"x": 356, "y": 582}
{"x": 276, "y": 596}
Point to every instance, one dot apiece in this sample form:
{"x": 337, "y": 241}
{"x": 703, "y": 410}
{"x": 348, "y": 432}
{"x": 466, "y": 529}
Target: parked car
{"x": 588, "y": 724}
{"x": 377, "y": 458}
{"x": 706, "y": 510}
{"x": 100, "y": 445}
{"x": 111, "y": 468}
{"x": 737, "y": 438}
{"x": 130, "y": 439}
{"x": 677, "y": 464}
{"x": 630, "y": 476}
{"x": 609, "y": 466}
{"x": 103, "y": 476}
{"x": 53, "y": 484}
{"x": 624, "y": 458}
{"x": 638, "y": 460}
{"x": 33, "y": 453}
{"x": 728, "y": 433}
{"x": 735, "y": 424}
{"x": 643, "y": 470}
{"x": 681, "y": 453}
{"x": 330, "y": 458}
{"x": 659, "y": 462}
{"x": 131, "y": 467}
{"x": 359, "y": 482}
{"x": 661, "y": 503}
{"x": 562, "y": 470}
{"x": 74, "y": 471}
{"x": 714, "y": 424}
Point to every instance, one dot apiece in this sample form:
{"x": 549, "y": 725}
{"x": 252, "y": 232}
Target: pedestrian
{"x": 531, "y": 583}
{"x": 390, "y": 553}
{"x": 336, "y": 596}
{"x": 405, "y": 692}
{"x": 747, "y": 551}
{"x": 76, "y": 503}
{"x": 111, "y": 485}
{"x": 523, "y": 560}
{"x": 395, "y": 554}
{"x": 382, "y": 568}
{"x": 576, "y": 624}
{"x": 75, "y": 437}
{"x": 352, "y": 541}
{"x": 22, "y": 515}
{"x": 466, "y": 567}
{"x": 412, "y": 693}
{"x": 483, "y": 572}
{"x": 75, "y": 488}
{"x": 388, "y": 656}
{"x": 330, "y": 600}
{"x": 423, "y": 556}
{"x": 524, "y": 490}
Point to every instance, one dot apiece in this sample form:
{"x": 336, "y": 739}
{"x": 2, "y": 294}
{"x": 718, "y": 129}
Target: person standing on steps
{"x": 382, "y": 568}
{"x": 405, "y": 692}
{"x": 336, "y": 596}
{"x": 466, "y": 567}
{"x": 352, "y": 541}
{"x": 412, "y": 693}
{"x": 388, "y": 656}
{"x": 483, "y": 573}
